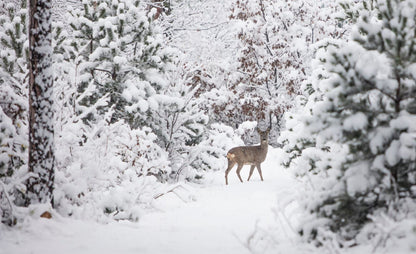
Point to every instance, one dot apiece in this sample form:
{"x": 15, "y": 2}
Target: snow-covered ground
{"x": 192, "y": 219}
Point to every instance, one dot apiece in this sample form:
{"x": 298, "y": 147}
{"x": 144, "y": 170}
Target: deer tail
{"x": 230, "y": 156}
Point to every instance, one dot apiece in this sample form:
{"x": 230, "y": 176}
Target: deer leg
{"x": 259, "y": 169}
{"x": 251, "y": 172}
{"x": 240, "y": 166}
{"x": 230, "y": 166}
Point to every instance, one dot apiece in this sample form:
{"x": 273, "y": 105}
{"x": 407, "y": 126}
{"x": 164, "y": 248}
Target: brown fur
{"x": 248, "y": 155}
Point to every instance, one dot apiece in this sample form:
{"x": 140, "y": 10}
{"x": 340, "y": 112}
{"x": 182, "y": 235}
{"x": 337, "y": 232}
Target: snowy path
{"x": 218, "y": 221}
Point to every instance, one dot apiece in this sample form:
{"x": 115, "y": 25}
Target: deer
{"x": 248, "y": 155}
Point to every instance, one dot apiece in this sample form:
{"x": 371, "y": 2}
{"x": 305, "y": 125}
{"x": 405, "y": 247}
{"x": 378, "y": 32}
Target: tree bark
{"x": 41, "y": 146}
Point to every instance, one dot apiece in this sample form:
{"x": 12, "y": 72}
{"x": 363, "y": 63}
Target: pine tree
{"x": 122, "y": 74}
{"x": 118, "y": 57}
{"x": 13, "y": 107}
{"x": 368, "y": 108}
{"x": 180, "y": 125}
{"x": 13, "y": 95}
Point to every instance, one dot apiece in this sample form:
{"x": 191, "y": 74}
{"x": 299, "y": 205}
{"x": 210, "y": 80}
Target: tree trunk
{"x": 41, "y": 148}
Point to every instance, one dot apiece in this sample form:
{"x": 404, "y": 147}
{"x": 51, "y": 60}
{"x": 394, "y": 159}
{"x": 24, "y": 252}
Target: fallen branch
{"x": 174, "y": 191}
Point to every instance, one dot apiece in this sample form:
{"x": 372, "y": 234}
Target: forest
{"x": 116, "y": 117}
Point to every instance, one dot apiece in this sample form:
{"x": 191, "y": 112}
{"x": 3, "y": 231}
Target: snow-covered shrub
{"x": 178, "y": 122}
{"x": 139, "y": 149}
{"x": 107, "y": 169}
{"x": 270, "y": 68}
{"x": 276, "y": 39}
{"x": 247, "y": 130}
{"x": 205, "y": 39}
{"x": 392, "y": 230}
{"x": 211, "y": 152}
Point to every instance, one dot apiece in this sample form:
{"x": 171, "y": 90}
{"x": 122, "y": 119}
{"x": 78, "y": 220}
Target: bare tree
{"x": 41, "y": 147}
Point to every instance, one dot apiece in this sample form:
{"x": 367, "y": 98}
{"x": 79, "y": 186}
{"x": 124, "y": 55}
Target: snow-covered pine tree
{"x": 181, "y": 124}
{"x": 118, "y": 55}
{"x": 13, "y": 108}
{"x": 369, "y": 109}
{"x": 41, "y": 128}
{"x": 13, "y": 92}
{"x": 325, "y": 26}
{"x": 107, "y": 148}
{"x": 13, "y": 105}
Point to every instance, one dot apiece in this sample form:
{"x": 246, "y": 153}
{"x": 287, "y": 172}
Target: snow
{"x": 372, "y": 65}
{"x": 355, "y": 122}
{"x": 392, "y": 155}
{"x": 105, "y": 204}
{"x": 211, "y": 219}
{"x": 249, "y": 217}
{"x": 357, "y": 178}
{"x": 143, "y": 105}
